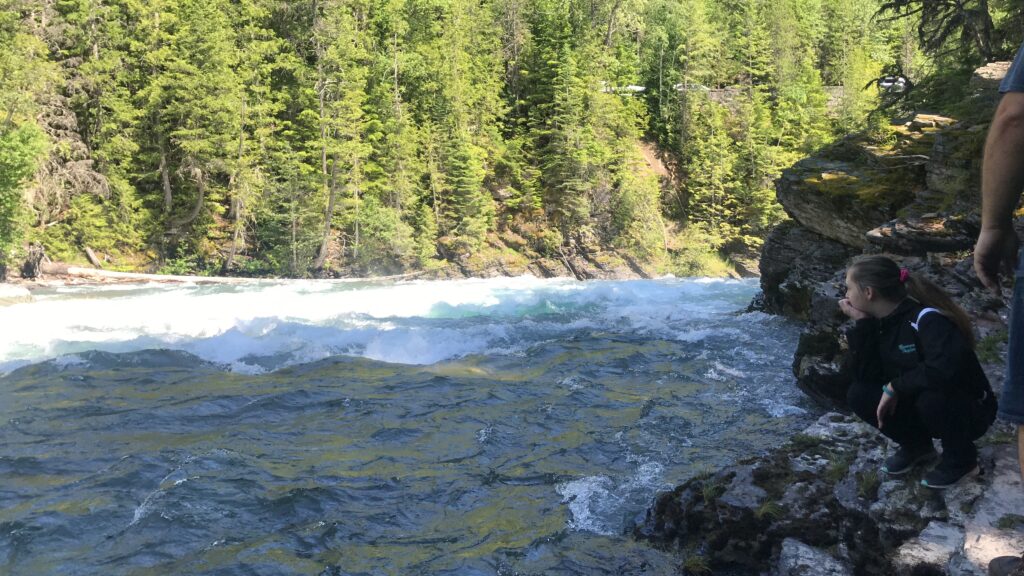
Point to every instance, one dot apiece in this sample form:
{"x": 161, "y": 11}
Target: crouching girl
{"x": 915, "y": 374}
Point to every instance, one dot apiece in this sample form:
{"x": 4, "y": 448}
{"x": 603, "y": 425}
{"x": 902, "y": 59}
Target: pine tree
{"x": 800, "y": 112}
{"x": 467, "y": 104}
{"x": 23, "y": 75}
{"x": 342, "y": 62}
{"x": 967, "y": 25}
{"x": 262, "y": 56}
{"x": 192, "y": 112}
{"x": 563, "y": 142}
{"x": 711, "y": 162}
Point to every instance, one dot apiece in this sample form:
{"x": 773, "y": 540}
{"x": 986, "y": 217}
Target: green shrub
{"x": 804, "y": 442}
{"x": 21, "y": 149}
{"x": 712, "y": 490}
{"x": 837, "y": 469}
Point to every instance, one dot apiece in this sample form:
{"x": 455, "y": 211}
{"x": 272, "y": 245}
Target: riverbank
{"x": 819, "y": 505}
{"x": 599, "y": 265}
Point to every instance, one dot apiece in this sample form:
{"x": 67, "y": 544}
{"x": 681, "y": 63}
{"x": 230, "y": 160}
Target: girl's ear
{"x": 869, "y": 292}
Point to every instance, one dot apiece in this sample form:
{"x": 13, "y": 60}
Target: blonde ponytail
{"x": 931, "y": 295}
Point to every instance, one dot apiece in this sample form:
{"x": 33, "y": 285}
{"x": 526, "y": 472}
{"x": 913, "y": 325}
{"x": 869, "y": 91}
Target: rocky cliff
{"x": 819, "y": 504}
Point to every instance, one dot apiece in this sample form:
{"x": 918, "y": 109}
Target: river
{"x": 500, "y": 426}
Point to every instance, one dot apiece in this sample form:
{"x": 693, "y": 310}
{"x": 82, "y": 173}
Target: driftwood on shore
{"x": 59, "y": 269}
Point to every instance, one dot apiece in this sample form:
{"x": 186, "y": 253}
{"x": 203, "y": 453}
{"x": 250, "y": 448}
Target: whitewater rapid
{"x": 267, "y": 325}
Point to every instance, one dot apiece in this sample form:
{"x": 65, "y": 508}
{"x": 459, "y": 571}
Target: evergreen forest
{"x": 316, "y": 138}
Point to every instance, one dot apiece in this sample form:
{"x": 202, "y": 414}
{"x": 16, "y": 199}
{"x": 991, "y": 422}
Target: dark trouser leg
{"x": 904, "y": 427}
{"x": 947, "y": 417}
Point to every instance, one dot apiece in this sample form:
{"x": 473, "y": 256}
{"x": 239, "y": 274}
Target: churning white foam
{"x": 264, "y": 325}
{"x": 596, "y": 503}
{"x": 590, "y": 502}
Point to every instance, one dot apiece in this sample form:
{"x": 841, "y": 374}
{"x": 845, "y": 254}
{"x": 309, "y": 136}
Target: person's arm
{"x": 862, "y": 338}
{"x": 1001, "y": 183}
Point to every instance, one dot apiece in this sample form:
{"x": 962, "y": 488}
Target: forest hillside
{"x": 354, "y": 137}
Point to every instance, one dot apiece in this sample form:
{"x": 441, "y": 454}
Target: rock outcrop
{"x": 819, "y": 505}
{"x": 850, "y": 187}
{"x": 10, "y": 294}
{"x": 795, "y": 260}
{"x": 916, "y": 200}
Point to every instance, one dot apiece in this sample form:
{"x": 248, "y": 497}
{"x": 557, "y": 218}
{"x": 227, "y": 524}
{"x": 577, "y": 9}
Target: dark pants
{"x": 1011, "y": 403}
{"x": 930, "y": 414}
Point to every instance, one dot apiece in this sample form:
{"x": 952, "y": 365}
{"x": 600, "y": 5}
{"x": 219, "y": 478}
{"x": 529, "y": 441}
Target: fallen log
{"x": 60, "y": 269}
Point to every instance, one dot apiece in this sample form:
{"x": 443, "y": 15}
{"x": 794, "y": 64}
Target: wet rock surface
{"x": 795, "y": 260}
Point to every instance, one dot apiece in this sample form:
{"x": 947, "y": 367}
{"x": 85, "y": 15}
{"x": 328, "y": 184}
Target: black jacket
{"x": 935, "y": 356}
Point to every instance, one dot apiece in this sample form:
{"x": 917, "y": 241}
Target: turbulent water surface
{"x": 512, "y": 426}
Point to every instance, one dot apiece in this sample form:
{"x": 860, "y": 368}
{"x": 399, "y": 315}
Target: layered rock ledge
{"x": 820, "y": 506}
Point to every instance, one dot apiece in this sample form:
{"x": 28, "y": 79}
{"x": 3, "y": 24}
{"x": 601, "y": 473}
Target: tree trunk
{"x": 200, "y": 180}
{"x": 356, "y": 195}
{"x": 60, "y": 269}
{"x": 325, "y": 241}
{"x": 984, "y": 34}
{"x": 611, "y": 24}
{"x": 327, "y": 181}
{"x": 92, "y": 257}
{"x": 235, "y": 238}
{"x": 396, "y": 200}
{"x": 294, "y": 237}
{"x": 236, "y": 175}
{"x": 165, "y": 179}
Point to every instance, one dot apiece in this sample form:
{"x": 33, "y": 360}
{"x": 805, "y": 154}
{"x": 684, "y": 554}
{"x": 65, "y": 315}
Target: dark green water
{"x": 534, "y": 458}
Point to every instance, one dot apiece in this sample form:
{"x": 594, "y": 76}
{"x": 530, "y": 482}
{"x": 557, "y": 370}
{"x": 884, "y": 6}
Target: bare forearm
{"x": 1003, "y": 174}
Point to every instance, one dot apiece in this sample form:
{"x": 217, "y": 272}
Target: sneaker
{"x": 1006, "y": 566}
{"x": 945, "y": 475}
{"x": 906, "y": 458}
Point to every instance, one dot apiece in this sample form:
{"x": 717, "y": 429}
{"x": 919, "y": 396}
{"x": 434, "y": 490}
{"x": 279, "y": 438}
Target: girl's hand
{"x": 886, "y": 407}
{"x": 849, "y": 310}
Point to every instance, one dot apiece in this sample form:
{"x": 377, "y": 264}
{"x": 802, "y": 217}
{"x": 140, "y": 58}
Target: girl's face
{"x": 857, "y": 297}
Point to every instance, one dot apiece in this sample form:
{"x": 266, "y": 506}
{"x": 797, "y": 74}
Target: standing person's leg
{"x": 1011, "y": 401}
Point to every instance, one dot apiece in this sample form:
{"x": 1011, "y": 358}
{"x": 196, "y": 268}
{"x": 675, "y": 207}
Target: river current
{"x": 476, "y": 427}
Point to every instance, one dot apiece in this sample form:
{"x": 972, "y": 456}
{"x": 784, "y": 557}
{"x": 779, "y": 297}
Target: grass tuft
{"x": 1009, "y": 521}
{"x": 696, "y": 565}
{"x": 803, "y": 442}
{"x": 768, "y": 510}
{"x": 868, "y": 483}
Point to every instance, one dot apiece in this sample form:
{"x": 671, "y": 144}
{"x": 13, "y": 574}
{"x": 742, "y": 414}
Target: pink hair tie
{"x": 904, "y": 275}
